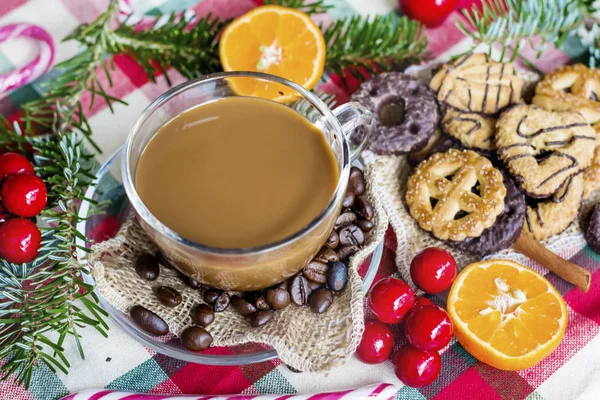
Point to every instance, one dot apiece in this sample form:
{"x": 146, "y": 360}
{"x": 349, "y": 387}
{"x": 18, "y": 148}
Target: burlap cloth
{"x": 304, "y": 340}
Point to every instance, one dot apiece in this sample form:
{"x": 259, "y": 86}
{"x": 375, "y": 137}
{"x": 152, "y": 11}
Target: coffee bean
{"x": 352, "y": 236}
{"x": 321, "y": 300}
{"x": 203, "y": 315}
{"x": 357, "y": 180}
{"x": 164, "y": 261}
{"x": 299, "y": 290}
{"x": 316, "y": 271}
{"x": 278, "y": 298}
{"x": 196, "y": 338}
{"x": 337, "y": 278}
{"x": 261, "y": 318}
{"x": 168, "y": 296}
{"x": 146, "y": 266}
{"x": 345, "y": 218}
{"x": 194, "y": 284}
{"x": 364, "y": 209}
{"x": 253, "y": 295}
{"x": 148, "y": 321}
{"x": 326, "y": 255}
{"x": 211, "y": 295}
{"x": 261, "y": 303}
{"x": 348, "y": 200}
{"x": 283, "y": 285}
{"x": 364, "y": 225}
{"x": 242, "y": 306}
{"x": 346, "y": 251}
{"x": 222, "y": 302}
{"x": 333, "y": 240}
{"x": 314, "y": 286}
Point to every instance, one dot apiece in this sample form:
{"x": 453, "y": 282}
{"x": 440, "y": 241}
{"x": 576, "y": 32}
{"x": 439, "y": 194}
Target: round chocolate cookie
{"x": 506, "y": 229}
{"x": 406, "y": 112}
{"x": 592, "y": 232}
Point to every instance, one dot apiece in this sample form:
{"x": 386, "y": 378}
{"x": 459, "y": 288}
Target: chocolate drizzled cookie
{"x": 474, "y": 83}
{"x": 542, "y": 149}
{"x": 406, "y": 112}
{"x": 552, "y": 216}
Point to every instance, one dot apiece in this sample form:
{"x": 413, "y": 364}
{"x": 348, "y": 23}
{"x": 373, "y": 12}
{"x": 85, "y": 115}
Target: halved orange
{"x": 506, "y": 315}
{"x": 276, "y": 40}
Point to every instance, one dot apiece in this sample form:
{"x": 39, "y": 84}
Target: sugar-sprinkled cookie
{"x": 456, "y": 194}
{"x": 505, "y": 230}
{"x": 406, "y": 112}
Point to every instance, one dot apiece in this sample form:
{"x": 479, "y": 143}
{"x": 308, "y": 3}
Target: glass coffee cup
{"x": 346, "y": 130}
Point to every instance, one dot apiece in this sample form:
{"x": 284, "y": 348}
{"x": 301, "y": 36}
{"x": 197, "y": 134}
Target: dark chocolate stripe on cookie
{"x": 564, "y": 195}
{"x": 499, "y": 88}
{"x": 574, "y": 163}
{"x": 539, "y": 216}
{"x": 487, "y": 88}
{"x": 466, "y": 119}
{"x": 545, "y": 130}
{"x": 510, "y": 146}
{"x": 566, "y": 142}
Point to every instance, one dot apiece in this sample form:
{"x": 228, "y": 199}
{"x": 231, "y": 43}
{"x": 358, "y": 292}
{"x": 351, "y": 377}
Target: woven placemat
{"x": 304, "y": 340}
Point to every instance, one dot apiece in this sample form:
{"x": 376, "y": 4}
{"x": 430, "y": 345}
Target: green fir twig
{"x": 381, "y": 43}
{"x": 513, "y": 23}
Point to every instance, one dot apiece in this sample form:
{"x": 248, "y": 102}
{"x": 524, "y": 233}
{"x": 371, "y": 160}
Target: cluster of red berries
{"x": 24, "y": 196}
{"x": 427, "y": 327}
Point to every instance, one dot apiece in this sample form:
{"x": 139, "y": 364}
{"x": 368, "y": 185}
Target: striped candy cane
{"x": 383, "y": 391}
{"x": 34, "y": 69}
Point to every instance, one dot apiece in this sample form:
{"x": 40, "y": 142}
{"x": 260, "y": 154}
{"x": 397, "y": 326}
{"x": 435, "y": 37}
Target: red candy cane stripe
{"x": 383, "y": 391}
{"x": 35, "y": 68}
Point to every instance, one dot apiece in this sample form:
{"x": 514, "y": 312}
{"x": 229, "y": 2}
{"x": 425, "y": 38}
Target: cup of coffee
{"x": 239, "y": 177}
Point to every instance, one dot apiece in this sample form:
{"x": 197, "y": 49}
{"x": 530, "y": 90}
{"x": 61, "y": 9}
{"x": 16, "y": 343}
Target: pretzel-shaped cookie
{"x": 571, "y": 88}
{"x": 456, "y": 194}
{"x": 474, "y": 83}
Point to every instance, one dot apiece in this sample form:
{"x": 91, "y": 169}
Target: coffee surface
{"x": 238, "y": 172}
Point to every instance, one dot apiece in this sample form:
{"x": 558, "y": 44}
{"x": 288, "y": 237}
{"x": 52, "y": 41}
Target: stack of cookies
{"x": 491, "y": 165}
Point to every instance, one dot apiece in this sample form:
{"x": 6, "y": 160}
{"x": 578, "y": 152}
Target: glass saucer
{"x": 101, "y": 226}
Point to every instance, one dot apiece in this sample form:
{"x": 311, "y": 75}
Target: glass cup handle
{"x": 357, "y": 123}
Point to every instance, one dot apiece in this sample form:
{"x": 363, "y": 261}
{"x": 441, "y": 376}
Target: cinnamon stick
{"x": 568, "y": 271}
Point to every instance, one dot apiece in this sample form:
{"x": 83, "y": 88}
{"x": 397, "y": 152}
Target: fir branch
{"x": 44, "y": 303}
{"x": 185, "y": 44}
{"x": 60, "y": 109}
{"x": 315, "y": 7}
{"x": 382, "y": 43}
{"x": 513, "y": 23}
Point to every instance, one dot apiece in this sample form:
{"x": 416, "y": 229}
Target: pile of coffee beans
{"x": 316, "y": 286}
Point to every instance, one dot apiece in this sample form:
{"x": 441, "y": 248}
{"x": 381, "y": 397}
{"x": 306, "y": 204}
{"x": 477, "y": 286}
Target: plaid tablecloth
{"x": 572, "y": 371}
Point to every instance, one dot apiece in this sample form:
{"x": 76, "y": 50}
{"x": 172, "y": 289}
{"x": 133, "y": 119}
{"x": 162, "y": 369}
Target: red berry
{"x": 20, "y": 240}
{"x": 24, "y": 195}
{"x": 422, "y": 302}
{"x": 13, "y": 164}
{"x": 433, "y": 270}
{"x": 376, "y": 344}
{"x": 390, "y": 300}
{"x": 416, "y": 367}
{"x": 428, "y": 328}
{"x": 430, "y": 13}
